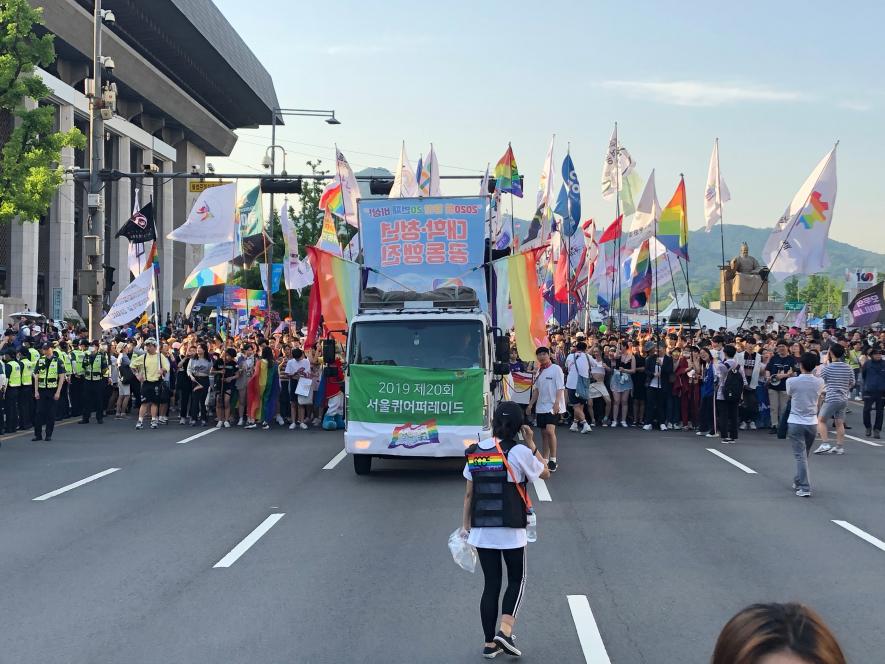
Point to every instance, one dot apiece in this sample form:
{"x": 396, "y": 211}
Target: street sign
{"x": 56, "y": 304}
{"x": 198, "y": 186}
{"x": 794, "y": 306}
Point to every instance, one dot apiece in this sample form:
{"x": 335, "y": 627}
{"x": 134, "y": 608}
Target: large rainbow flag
{"x": 263, "y": 392}
{"x": 332, "y": 198}
{"x": 527, "y": 303}
{"x": 338, "y": 283}
{"x": 507, "y": 174}
{"x": 673, "y": 226}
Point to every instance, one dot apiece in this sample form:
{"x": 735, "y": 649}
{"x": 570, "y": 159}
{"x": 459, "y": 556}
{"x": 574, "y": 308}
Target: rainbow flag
{"x": 640, "y": 290}
{"x": 527, "y": 303}
{"x": 210, "y": 276}
{"x": 263, "y": 391}
{"x": 507, "y": 178}
{"x": 673, "y": 226}
{"x": 332, "y": 198}
{"x": 328, "y": 240}
{"x": 337, "y": 284}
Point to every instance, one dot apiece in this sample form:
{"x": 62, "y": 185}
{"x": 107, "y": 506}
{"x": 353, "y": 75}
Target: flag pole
{"x": 721, "y": 230}
{"x": 155, "y": 286}
{"x": 654, "y": 271}
{"x": 617, "y": 273}
{"x": 685, "y": 212}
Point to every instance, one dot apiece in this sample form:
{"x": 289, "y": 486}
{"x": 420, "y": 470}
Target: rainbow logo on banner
{"x": 816, "y": 213}
{"x": 411, "y": 435}
{"x": 485, "y": 462}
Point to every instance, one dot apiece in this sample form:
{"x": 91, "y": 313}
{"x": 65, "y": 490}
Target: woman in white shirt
{"x": 501, "y": 466}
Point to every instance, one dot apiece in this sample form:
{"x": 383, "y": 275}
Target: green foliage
{"x": 709, "y": 296}
{"x": 823, "y": 295}
{"x": 791, "y": 289}
{"x": 29, "y": 162}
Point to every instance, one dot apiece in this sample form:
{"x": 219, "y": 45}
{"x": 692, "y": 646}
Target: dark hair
{"x": 508, "y": 420}
{"x": 581, "y": 346}
{"x": 719, "y": 339}
{"x": 231, "y": 352}
{"x": 542, "y": 349}
{"x": 729, "y": 350}
{"x": 837, "y": 351}
{"x": 297, "y": 353}
{"x": 809, "y": 361}
{"x": 765, "y": 629}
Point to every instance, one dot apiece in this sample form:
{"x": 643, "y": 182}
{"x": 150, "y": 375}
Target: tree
{"x": 822, "y": 294}
{"x": 791, "y": 289}
{"x": 30, "y": 171}
{"x": 709, "y": 296}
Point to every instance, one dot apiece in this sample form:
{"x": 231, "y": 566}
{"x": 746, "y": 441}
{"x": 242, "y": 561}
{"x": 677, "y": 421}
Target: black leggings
{"x": 490, "y": 561}
{"x": 198, "y": 398}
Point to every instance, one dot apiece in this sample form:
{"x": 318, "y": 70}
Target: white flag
{"x": 212, "y": 219}
{"x": 404, "y": 183}
{"x": 131, "y": 302}
{"x": 545, "y": 185}
{"x": 716, "y": 192}
{"x": 350, "y": 190}
{"x": 798, "y": 243}
{"x": 648, "y": 212}
{"x": 214, "y": 254}
{"x": 296, "y": 272}
{"x": 432, "y": 167}
{"x": 484, "y": 183}
{"x": 616, "y": 166}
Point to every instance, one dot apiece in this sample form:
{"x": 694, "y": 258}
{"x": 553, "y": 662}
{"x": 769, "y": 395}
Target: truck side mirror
{"x": 328, "y": 351}
{"x": 502, "y": 349}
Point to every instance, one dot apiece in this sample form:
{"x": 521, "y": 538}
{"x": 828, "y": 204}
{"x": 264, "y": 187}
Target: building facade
{"x": 185, "y": 81}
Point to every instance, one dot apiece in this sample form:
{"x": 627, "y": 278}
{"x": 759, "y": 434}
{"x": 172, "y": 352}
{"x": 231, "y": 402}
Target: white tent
{"x": 710, "y": 319}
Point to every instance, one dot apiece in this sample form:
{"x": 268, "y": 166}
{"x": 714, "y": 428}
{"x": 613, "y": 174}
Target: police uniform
{"x": 13, "y": 387}
{"x": 26, "y": 393}
{"x": 64, "y": 404}
{"x": 76, "y": 386}
{"x": 95, "y": 375}
{"x": 48, "y": 375}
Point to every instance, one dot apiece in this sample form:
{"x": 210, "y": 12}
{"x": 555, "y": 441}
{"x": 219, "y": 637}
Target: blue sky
{"x": 777, "y": 82}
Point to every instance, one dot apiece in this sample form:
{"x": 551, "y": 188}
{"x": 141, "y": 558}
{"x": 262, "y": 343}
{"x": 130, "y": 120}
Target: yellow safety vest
{"x": 65, "y": 360}
{"x": 27, "y": 366}
{"x": 95, "y": 370}
{"x": 15, "y": 376}
{"x": 33, "y": 355}
{"x": 78, "y": 356}
{"x": 47, "y": 372}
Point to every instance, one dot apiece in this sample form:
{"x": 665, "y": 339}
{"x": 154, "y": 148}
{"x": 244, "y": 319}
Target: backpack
{"x": 733, "y": 387}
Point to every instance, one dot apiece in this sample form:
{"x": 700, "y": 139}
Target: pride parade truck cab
{"x": 423, "y": 361}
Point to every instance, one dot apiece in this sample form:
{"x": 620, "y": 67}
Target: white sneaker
{"x": 153, "y": 424}
{"x": 743, "y": 426}
{"x": 586, "y": 428}
{"x": 316, "y": 422}
{"x": 667, "y": 426}
{"x": 838, "y": 450}
{"x": 823, "y": 449}
{"x": 164, "y": 419}
{"x": 624, "y": 424}
{"x": 612, "y": 425}
{"x": 280, "y": 420}
{"x": 251, "y": 425}
{"x": 139, "y": 424}
{"x": 663, "y": 427}
{"x": 647, "y": 427}
{"x": 226, "y": 424}
{"x": 240, "y": 422}
{"x": 752, "y": 426}
{"x": 677, "y": 427}
{"x": 573, "y": 427}
{"x": 219, "y": 424}
{"x": 699, "y": 433}
{"x": 181, "y": 420}
{"x": 293, "y": 426}
{"x": 302, "y": 426}
{"x": 710, "y": 435}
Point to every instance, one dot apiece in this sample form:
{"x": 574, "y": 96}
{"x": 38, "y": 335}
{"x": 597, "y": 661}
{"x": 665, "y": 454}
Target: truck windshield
{"x": 418, "y": 343}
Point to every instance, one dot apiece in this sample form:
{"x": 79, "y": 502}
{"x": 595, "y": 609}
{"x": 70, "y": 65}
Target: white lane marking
{"x": 85, "y": 480}
{"x": 196, "y": 435}
{"x": 249, "y": 541}
{"x": 541, "y": 489}
{"x": 336, "y": 460}
{"x": 588, "y": 631}
{"x": 875, "y": 541}
{"x": 736, "y": 464}
{"x": 859, "y": 440}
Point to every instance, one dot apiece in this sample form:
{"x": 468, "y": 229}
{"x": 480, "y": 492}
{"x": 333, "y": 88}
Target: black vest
{"x": 496, "y": 502}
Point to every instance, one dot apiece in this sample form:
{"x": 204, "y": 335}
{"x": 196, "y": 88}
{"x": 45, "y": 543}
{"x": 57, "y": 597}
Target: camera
{"x": 108, "y": 63}
{"x": 151, "y": 168}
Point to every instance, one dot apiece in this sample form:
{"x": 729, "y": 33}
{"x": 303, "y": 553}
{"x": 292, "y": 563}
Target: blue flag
{"x": 573, "y": 196}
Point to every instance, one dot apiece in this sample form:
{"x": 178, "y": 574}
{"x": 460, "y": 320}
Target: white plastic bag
{"x": 463, "y": 552}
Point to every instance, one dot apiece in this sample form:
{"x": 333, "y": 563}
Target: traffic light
{"x": 108, "y": 278}
{"x": 280, "y": 186}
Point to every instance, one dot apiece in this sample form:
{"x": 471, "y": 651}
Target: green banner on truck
{"x": 393, "y": 395}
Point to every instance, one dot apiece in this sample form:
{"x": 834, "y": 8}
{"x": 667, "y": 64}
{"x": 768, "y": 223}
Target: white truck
{"x": 421, "y": 377}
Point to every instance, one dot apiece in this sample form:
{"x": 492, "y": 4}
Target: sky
{"x": 777, "y": 82}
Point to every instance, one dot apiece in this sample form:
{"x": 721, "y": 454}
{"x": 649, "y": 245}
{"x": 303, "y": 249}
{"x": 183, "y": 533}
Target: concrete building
{"x": 185, "y": 81}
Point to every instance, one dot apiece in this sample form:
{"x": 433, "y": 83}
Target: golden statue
{"x": 743, "y": 277}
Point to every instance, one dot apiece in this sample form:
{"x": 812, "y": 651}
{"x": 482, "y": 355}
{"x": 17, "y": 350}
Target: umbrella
{"x": 27, "y": 314}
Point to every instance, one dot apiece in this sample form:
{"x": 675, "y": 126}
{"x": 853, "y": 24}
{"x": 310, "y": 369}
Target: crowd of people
{"x": 184, "y": 370}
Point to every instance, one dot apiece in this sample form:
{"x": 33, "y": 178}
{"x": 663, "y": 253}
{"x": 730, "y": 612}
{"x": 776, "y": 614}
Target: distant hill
{"x": 705, "y": 252}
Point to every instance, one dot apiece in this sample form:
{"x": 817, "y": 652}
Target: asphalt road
{"x": 660, "y": 538}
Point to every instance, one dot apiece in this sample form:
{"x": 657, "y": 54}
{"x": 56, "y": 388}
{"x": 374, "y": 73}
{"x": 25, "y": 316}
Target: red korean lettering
{"x": 413, "y": 253}
{"x": 391, "y": 254}
{"x": 457, "y": 229}
{"x": 436, "y": 253}
{"x": 437, "y": 229}
{"x": 458, "y": 253}
{"x": 410, "y": 230}
{"x": 390, "y": 231}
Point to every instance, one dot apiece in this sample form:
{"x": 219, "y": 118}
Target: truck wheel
{"x": 362, "y": 464}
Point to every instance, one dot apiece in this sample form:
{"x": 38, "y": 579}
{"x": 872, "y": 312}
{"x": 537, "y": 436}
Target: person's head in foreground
{"x": 777, "y": 634}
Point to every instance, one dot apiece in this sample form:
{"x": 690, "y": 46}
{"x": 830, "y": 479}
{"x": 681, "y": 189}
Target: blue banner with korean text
{"x": 422, "y": 244}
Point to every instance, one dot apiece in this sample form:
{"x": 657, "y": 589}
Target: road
{"x": 239, "y": 546}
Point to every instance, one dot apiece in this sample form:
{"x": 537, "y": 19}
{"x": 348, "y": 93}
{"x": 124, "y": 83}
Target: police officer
{"x": 96, "y": 374}
{"x": 14, "y": 381}
{"x": 2, "y": 390}
{"x": 26, "y": 393}
{"x": 64, "y": 405}
{"x": 76, "y": 386}
{"x": 49, "y": 378}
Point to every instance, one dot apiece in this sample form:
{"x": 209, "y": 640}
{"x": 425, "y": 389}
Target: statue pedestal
{"x": 737, "y": 310}
{"x": 742, "y": 287}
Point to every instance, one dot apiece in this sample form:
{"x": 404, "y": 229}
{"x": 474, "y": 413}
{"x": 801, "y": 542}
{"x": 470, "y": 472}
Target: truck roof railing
{"x": 446, "y": 297}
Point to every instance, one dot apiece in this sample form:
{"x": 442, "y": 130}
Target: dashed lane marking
{"x": 736, "y": 464}
{"x": 875, "y": 541}
{"x": 69, "y": 487}
{"x": 588, "y": 631}
{"x": 249, "y": 541}
{"x": 336, "y": 460}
